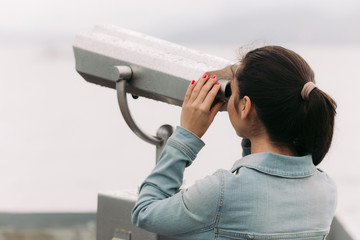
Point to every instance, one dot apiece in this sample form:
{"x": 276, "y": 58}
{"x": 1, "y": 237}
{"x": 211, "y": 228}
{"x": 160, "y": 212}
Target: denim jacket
{"x": 264, "y": 196}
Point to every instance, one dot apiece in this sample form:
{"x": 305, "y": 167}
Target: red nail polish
{"x": 217, "y": 83}
{"x": 193, "y": 81}
{"x": 205, "y": 75}
{"x": 213, "y": 76}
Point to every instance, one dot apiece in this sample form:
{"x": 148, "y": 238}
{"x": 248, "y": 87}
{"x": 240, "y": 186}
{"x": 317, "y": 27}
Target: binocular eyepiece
{"x": 225, "y": 90}
{"x": 159, "y": 70}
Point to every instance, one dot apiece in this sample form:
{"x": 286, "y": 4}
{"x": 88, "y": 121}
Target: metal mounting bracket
{"x": 163, "y": 133}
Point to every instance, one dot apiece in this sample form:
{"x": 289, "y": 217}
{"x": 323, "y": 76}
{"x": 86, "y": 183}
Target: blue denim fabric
{"x": 264, "y": 196}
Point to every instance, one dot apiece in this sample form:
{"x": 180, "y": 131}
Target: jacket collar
{"x": 277, "y": 165}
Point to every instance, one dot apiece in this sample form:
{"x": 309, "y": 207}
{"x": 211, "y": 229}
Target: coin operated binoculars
{"x": 143, "y": 66}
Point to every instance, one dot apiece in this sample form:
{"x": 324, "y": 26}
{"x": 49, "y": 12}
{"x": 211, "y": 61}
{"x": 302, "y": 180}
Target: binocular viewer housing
{"x": 144, "y": 66}
{"x": 153, "y": 68}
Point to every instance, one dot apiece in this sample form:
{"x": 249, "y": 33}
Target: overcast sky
{"x": 215, "y": 21}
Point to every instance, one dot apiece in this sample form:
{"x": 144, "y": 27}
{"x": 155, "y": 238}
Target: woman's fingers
{"x": 205, "y": 90}
{"x": 202, "y": 93}
{"x": 198, "y": 87}
{"x": 210, "y": 96}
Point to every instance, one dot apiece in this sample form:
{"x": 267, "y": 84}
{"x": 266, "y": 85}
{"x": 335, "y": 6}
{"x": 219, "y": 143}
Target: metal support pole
{"x": 164, "y": 132}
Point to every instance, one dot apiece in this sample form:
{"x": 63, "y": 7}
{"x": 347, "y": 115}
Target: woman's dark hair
{"x": 273, "y": 78}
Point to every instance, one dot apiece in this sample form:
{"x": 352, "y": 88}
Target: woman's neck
{"x": 263, "y": 144}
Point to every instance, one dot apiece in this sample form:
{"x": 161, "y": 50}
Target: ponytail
{"x": 318, "y": 127}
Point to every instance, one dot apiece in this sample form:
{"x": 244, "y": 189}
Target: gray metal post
{"x": 164, "y": 132}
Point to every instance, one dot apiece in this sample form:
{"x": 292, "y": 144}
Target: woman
{"x": 274, "y": 191}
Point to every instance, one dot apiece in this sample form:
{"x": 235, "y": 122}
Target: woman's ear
{"x": 245, "y": 107}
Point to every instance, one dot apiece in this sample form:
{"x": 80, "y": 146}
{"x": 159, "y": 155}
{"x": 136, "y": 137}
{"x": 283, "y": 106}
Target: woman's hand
{"x": 197, "y": 113}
